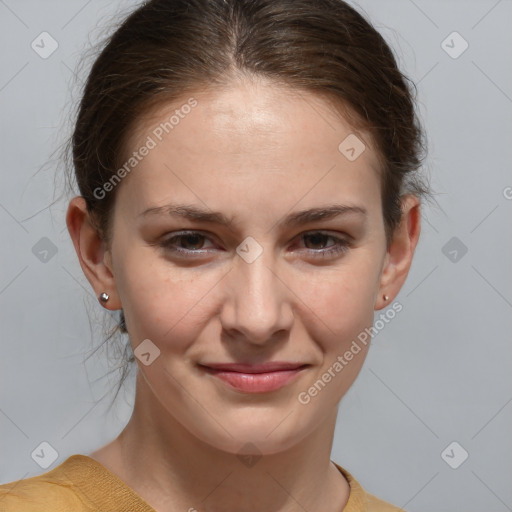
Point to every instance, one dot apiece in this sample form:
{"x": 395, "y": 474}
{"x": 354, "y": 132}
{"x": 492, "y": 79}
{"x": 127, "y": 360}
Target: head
{"x": 204, "y": 129}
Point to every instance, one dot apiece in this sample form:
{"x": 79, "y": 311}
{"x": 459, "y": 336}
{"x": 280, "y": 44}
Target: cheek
{"x": 343, "y": 304}
{"x": 343, "y": 299}
{"x": 162, "y": 302}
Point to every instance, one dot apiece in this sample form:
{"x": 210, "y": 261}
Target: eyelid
{"x": 341, "y": 245}
{"x": 185, "y": 233}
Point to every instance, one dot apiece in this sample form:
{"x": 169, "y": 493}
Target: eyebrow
{"x": 195, "y": 213}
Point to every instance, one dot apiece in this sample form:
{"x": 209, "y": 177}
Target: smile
{"x": 251, "y": 379}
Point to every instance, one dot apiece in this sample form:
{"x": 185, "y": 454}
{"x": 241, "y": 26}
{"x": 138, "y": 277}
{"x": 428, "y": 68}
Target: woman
{"x": 248, "y": 200}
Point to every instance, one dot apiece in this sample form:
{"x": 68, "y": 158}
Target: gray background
{"x": 439, "y": 372}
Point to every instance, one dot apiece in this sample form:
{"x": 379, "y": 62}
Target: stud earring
{"x": 104, "y": 297}
{"x": 385, "y": 297}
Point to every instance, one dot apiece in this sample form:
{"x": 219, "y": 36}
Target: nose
{"x": 258, "y": 305}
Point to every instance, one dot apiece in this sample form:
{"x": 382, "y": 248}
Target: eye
{"x": 186, "y": 243}
{"x": 319, "y": 238}
{"x": 192, "y": 243}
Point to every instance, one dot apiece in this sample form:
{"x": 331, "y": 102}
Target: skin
{"x": 256, "y": 152}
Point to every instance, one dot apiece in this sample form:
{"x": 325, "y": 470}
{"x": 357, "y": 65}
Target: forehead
{"x": 245, "y": 134}
{"x": 244, "y": 109}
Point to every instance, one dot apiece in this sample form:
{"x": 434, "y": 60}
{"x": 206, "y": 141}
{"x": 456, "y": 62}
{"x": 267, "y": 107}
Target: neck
{"x": 172, "y": 470}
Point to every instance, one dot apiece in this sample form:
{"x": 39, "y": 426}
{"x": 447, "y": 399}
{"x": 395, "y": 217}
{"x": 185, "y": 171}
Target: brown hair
{"x": 166, "y": 49}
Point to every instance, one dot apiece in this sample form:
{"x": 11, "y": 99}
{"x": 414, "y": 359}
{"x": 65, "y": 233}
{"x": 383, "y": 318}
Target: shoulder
{"x": 49, "y": 492}
{"x": 375, "y": 504}
{"x": 362, "y": 501}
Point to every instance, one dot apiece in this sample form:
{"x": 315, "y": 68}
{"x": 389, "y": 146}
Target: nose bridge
{"x": 260, "y": 301}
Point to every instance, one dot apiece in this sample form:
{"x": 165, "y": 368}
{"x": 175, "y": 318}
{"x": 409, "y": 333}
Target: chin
{"x": 269, "y": 436}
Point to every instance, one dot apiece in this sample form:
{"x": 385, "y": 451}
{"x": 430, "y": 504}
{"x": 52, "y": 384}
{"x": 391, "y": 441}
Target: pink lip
{"x": 251, "y": 378}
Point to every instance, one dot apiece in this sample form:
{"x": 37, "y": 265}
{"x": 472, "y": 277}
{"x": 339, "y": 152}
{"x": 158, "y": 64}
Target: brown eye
{"x": 318, "y": 245}
{"x": 317, "y": 239}
{"x": 193, "y": 241}
{"x": 186, "y": 244}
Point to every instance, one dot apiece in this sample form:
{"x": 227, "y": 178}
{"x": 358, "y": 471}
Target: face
{"x": 249, "y": 280}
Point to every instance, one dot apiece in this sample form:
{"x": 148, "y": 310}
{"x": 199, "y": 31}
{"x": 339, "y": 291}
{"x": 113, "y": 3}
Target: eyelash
{"x": 340, "y": 245}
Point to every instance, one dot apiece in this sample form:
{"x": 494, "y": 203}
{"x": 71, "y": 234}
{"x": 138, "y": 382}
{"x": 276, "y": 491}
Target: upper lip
{"x": 254, "y": 368}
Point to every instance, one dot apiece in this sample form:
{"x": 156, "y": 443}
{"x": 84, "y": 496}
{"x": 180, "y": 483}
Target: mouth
{"x": 251, "y": 378}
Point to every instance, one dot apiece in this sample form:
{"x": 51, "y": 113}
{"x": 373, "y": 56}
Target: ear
{"x": 95, "y": 260}
{"x": 399, "y": 255}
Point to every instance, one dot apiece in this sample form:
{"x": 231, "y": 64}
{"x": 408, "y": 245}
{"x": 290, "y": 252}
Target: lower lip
{"x": 256, "y": 382}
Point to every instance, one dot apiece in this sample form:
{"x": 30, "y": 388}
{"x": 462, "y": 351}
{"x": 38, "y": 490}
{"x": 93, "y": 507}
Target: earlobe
{"x": 91, "y": 250}
{"x": 400, "y": 253}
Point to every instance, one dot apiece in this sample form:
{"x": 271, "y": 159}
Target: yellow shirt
{"x": 81, "y": 484}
